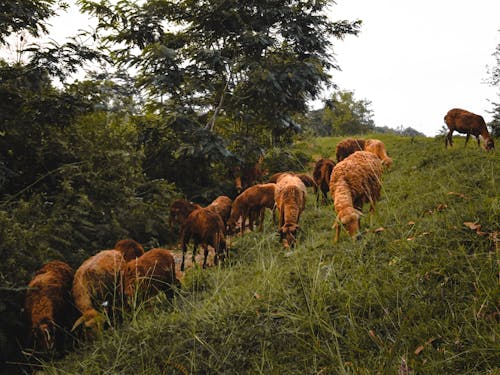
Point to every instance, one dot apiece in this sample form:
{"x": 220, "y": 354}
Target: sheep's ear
{"x": 79, "y": 321}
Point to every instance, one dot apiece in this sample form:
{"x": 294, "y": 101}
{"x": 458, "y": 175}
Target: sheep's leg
{"x": 184, "y": 249}
{"x": 205, "y": 255}
{"x": 337, "y": 231}
{"x": 449, "y": 139}
{"x": 467, "y": 139}
{"x": 478, "y": 142}
{"x": 244, "y": 215}
{"x": 195, "y": 251}
{"x": 250, "y": 219}
{"x": 262, "y": 213}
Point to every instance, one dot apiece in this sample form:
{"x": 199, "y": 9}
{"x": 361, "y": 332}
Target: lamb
{"x": 466, "y": 122}
{"x": 349, "y": 145}
{"x": 290, "y": 198}
{"x": 48, "y": 305}
{"x": 222, "y": 206}
{"x": 250, "y": 203}
{"x": 206, "y": 228}
{"x": 130, "y": 249}
{"x": 180, "y": 210}
{"x": 321, "y": 174}
{"x": 354, "y": 181}
{"x": 151, "y": 272}
{"x": 96, "y": 281}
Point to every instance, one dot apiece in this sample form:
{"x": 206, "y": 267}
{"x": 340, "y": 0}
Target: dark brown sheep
{"x": 222, "y": 206}
{"x": 250, "y": 204}
{"x": 180, "y": 210}
{"x": 48, "y": 305}
{"x": 247, "y": 175}
{"x": 152, "y": 272}
{"x": 130, "y": 249}
{"x": 466, "y": 122}
{"x": 206, "y": 228}
{"x": 321, "y": 174}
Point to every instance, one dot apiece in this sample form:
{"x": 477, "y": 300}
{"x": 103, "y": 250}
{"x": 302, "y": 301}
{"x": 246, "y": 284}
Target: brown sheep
{"x": 290, "y": 198}
{"x": 130, "y": 249}
{"x": 180, "y": 210}
{"x": 466, "y": 122}
{"x": 349, "y": 145}
{"x": 321, "y": 174}
{"x": 96, "y": 281}
{"x": 48, "y": 305}
{"x": 306, "y": 179}
{"x": 355, "y": 180}
{"x": 152, "y": 272}
{"x": 249, "y": 204}
{"x": 205, "y": 227}
{"x": 222, "y": 206}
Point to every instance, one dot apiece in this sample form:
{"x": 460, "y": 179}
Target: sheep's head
{"x": 130, "y": 249}
{"x": 288, "y": 232}
{"x": 44, "y": 334}
{"x": 349, "y": 218}
{"x": 93, "y": 322}
{"x": 489, "y": 144}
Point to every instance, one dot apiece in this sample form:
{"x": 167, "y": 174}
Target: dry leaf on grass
{"x": 472, "y": 226}
{"x": 411, "y": 222}
{"x": 421, "y": 347}
{"x": 458, "y": 195}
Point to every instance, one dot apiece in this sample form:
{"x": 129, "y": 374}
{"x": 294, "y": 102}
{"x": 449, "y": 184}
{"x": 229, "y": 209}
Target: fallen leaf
{"x": 441, "y": 207}
{"x": 410, "y": 238}
{"x": 380, "y": 229}
{"x": 411, "y": 222}
{"x": 256, "y": 295}
{"x": 472, "y": 226}
{"x": 458, "y": 195}
{"x": 421, "y": 347}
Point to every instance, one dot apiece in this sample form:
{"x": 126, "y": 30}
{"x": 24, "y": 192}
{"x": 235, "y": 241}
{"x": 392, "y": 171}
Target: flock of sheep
{"x": 58, "y": 299}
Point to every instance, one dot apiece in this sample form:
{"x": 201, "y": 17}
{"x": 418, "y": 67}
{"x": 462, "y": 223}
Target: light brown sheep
{"x": 130, "y": 249}
{"x": 350, "y": 145}
{"x": 222, "y": 206}
{"x": 321, "y": 174}
{"x": 180, "y": 210}
{"x": 306, "y": 179}
{"x": 251, "y": 203}
{"x": 205, "y": 227}
{"x": 466, "y": 122}
{"x": 354, "y": 181}
{"x": 152, "y": 272}
{"x": 290, "y": 199}
{"x": 97, "y": 282}
{"x": 48, "y": 305}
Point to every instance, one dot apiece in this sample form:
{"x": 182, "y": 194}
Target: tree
{"x": 253, "y": 62}
{"x": 348, "y": 116}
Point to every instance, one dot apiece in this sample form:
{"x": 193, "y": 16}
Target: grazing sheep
{"x": 466, "y": 122}
{"x": 321, "y": 174}
{"x": 48, "y": 305}
{"x": 249, "y": 204}
{"x": 348, "y": 146}
{"x": 222, "y": 206}
{"x": 130, "y": 249}
{"x": 354, "y": 181}
{"x": 152, "y": 272}
{"x": 306, "y": 179}
{"x": 96, "y": 282}
{"x": 290, "y": 198}
{"x": 377, "y": 148}
{"x": 180, "y": 210}
{"x": 205, "y": 227}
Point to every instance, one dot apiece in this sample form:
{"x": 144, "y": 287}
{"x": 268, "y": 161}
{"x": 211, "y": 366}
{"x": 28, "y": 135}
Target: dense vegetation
{"x": 419, "y": 291}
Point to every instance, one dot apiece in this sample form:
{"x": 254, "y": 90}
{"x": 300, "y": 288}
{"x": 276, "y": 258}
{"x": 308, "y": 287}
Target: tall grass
{"x": 419, "y": 292}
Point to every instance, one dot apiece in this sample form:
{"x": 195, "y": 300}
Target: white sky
{"x": 415, "y": 60}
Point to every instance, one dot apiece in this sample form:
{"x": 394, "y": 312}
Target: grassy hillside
{"x": 419, "y": 292}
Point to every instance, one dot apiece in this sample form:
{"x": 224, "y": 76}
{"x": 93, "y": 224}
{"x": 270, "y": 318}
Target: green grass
{"x": 361, "y": 307}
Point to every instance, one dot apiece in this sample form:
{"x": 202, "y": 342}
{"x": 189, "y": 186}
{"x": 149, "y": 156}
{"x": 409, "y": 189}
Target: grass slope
{"x": 420, "y": 295}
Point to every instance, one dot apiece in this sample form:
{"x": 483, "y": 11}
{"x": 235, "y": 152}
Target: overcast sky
{"x": 415, "y": 60}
